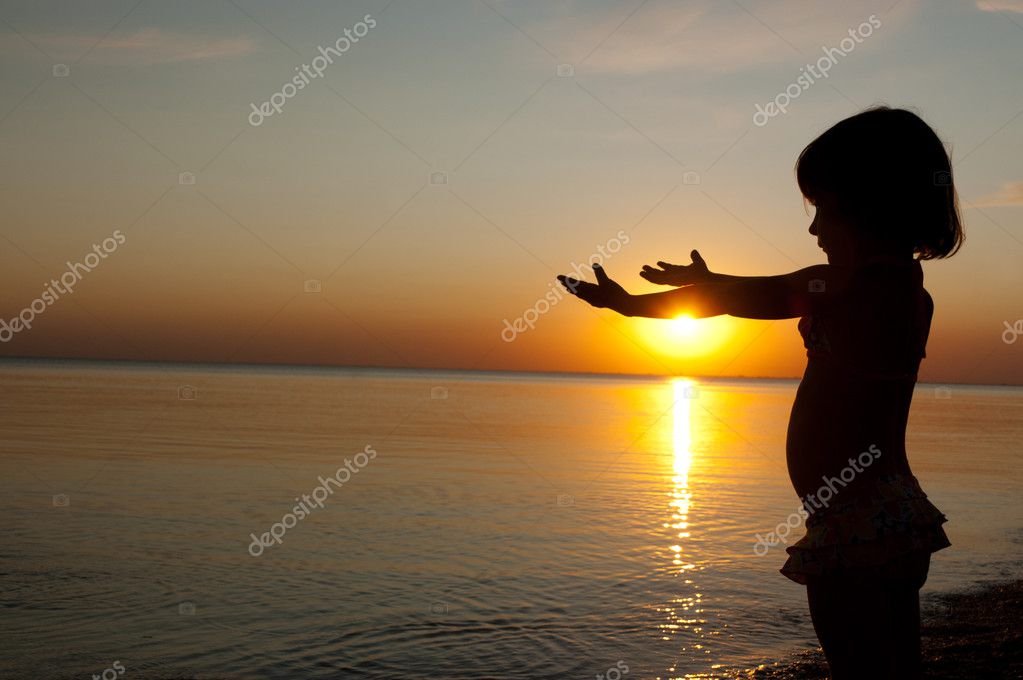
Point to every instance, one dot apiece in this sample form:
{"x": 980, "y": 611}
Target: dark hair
{"x": 888, "y": 170}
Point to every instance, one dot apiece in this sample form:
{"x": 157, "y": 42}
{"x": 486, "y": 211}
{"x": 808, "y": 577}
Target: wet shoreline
{"x": 975, "y": 633}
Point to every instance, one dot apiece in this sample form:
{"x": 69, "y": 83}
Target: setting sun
{"x": 684, "y": 336}
{"x": 683, "y": 325}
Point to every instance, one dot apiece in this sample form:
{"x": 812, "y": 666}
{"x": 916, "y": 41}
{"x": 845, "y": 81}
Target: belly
{"x": 838, "y": 417}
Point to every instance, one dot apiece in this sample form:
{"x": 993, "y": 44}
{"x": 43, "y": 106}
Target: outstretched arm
{"x": 758, "y": 297}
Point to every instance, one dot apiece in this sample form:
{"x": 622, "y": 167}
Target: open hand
{"x": 678, "y": 274}
{"x": 603, "y": 293}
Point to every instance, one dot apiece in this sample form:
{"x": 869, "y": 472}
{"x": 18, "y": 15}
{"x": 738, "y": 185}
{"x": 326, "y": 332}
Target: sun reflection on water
{"x": 684, "y": 612}
{"x": 682, "y": 459}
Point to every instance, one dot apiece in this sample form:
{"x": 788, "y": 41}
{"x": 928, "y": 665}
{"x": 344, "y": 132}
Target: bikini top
{"x": 878, "y": 329}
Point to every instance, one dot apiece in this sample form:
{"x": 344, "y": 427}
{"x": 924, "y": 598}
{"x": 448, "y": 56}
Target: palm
{"x": 603, "y": 293}
{"x": 677, "y": 274}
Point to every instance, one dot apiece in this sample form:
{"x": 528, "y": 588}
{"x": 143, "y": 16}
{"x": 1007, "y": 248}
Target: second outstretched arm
{"x": 760, "y": 297}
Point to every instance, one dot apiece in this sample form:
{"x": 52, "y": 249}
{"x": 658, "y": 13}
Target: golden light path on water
{"x": 683, "y": 612}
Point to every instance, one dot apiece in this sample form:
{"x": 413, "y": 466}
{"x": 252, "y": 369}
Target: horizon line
{"x": 426, "y": 369}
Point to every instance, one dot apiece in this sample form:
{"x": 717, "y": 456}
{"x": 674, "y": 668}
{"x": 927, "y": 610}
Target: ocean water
{"x": 486, "y": 525}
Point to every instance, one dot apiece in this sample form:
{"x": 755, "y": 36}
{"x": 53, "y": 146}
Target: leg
{"x": 904, "y": 596}
{"x": 846, "y": 617}
{"x": 905, "y": 630}
{"x": 869, "y": 627}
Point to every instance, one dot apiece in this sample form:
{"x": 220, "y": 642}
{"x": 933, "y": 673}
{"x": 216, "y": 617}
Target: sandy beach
{"x": 972, "y": 634}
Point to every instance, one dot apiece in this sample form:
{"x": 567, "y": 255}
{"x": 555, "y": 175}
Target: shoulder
{"x": 795, "y": 294}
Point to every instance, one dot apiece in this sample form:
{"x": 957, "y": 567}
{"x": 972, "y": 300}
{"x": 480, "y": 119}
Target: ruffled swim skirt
{"x": 878, "y": 532}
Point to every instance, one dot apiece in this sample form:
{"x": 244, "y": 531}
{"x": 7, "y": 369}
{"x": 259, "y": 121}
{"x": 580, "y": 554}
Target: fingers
{"x": 697, "y": 258}
{"x": 570, "y": 283}
{"x": 575, "y": 286}
{"x": 666, "y": 265}
{"x": 655, "y": 275}
{"x": 601, "y": 275}
{"x": 589, "y": 293}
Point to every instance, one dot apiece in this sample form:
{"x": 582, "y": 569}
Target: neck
{"x": 872, "y": 251}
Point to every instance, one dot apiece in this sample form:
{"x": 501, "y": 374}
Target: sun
{"x": 683, "y": 326}
{"x": 683, "y": 336}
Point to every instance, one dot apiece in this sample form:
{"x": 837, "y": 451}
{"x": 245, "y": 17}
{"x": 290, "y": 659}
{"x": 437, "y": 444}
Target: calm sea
{"x": 487, "y": 525}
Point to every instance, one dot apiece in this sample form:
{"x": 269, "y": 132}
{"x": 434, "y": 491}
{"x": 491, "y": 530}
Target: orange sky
{"x": 648, "y": 136}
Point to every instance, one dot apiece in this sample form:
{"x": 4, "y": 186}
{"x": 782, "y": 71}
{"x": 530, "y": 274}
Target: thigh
{"x": 908, "y": 571}
{"x": 869, "y": 623}
{"x": 852, "y": 619}
{"x": 903, "y": 592}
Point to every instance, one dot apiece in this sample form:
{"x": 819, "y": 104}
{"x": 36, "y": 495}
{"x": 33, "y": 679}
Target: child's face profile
{"x": 844, "y": 239}
{"x": 835, "y": 236}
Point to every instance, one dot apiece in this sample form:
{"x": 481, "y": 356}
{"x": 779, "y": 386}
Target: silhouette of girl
{"x": 881, "y": 184}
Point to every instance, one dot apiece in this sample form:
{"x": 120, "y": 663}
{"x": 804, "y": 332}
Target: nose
{"x": 813, "y": 228}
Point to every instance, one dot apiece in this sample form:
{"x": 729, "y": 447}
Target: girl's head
{"x": 881, "y": 180}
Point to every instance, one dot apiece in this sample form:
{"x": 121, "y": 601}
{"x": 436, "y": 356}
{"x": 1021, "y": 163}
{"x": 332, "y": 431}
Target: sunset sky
{"x": 547, "y": 128}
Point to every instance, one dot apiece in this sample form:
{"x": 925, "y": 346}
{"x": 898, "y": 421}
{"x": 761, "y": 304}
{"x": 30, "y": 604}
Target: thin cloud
{"x": 668, "y": 38}
{"x": 1010, "y": 194}
{"x": 701, "y": 35}
{"x": 1000, "y": 6}
{"x": 148, "y": 46}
